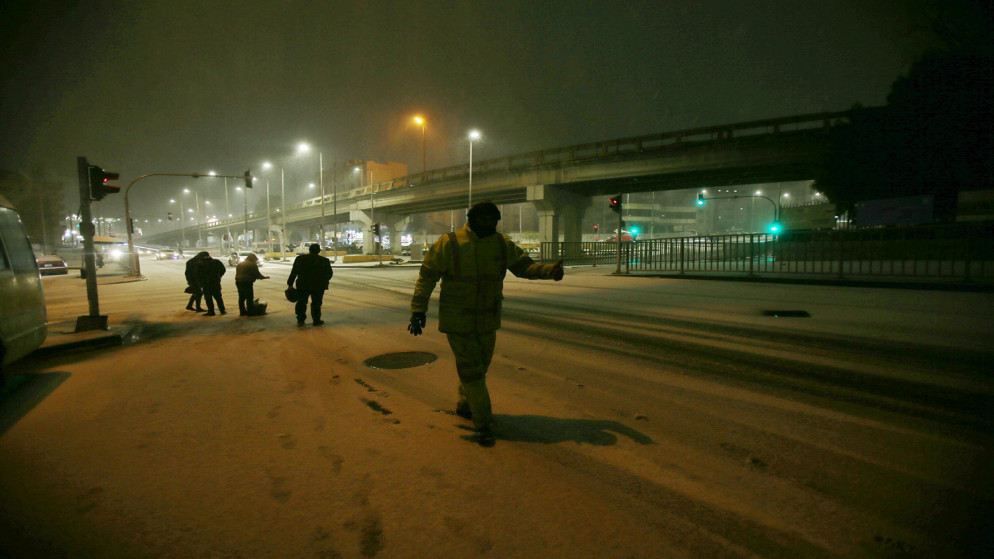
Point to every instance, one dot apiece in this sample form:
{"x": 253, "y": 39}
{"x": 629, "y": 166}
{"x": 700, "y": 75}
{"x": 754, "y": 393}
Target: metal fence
{"x": 959, "y": 251}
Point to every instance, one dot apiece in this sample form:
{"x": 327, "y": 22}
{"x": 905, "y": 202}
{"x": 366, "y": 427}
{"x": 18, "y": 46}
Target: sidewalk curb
{"x": 77, "y": 341}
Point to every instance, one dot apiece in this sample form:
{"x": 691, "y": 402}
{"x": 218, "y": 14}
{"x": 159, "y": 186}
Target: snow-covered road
{"x": 637, "y": 417}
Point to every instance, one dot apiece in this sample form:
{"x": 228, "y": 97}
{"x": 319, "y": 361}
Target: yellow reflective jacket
{"x": 472, "y": 271}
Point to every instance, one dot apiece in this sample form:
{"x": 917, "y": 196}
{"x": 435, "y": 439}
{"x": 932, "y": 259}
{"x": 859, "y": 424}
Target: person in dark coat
{"x": 196, "y": 293}
{"x": 209, "y": 272}
{"x": 312, "y": 272}
{"x": 246, "y": 272}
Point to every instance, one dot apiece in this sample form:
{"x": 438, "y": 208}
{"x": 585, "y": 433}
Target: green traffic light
{"x": 775, "y": 227}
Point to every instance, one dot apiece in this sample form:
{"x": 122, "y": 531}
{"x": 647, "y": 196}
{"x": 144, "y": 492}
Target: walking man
{"x": 472, "y": 263}
{"x": 209, "y": 272}
{"x": 246, "y": 272}
{"x": 312, "y": 272}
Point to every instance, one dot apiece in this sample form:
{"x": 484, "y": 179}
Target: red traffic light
{"x": 615, "y": 203}
{"x": 98, "y": 179}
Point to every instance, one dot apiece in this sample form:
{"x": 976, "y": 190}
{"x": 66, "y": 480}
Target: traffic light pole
{"x": 92, "y": 321}
{"x": 135, "y": 262}
{"x": 617, "y": 238}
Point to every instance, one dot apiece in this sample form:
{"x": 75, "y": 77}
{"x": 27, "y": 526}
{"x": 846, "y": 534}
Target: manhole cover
{"x": 787, "y": 314}
{"x": 401, "y": 360}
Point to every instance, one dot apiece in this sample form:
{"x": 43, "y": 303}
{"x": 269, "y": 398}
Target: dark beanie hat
{"x": 484, "y": 208}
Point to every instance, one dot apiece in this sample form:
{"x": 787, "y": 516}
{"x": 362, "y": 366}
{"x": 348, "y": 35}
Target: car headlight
{"x": 115, "y": 254}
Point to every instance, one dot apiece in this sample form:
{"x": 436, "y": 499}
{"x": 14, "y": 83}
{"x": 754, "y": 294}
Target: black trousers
{"x": 246, "y": 295}
{"x": 196, "y": 298}
{"x": 211, "y": 294}
{"x": 317, "y": 297}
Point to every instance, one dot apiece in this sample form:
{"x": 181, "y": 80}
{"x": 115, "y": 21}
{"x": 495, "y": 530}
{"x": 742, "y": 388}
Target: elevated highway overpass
{"x": 561, "y": 182}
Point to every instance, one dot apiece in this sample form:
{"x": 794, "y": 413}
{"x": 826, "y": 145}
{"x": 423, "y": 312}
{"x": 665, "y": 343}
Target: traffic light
{"x": 595, "y": 228}
{"x": 98, "y": 182}
{"x": 615, "y": 203}
{"x": 248, "y": 179}
{"x": 775, "y": 227}
{"x": 170, "y": 216}
{"x": 376, "y": 229}
{"x": 700, "y": 199}
{"x": 635, "y": 232}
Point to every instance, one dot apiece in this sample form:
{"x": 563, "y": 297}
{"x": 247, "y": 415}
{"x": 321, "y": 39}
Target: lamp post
{"x": 196, "y": 204}
{"x": 269, "y": 214}
{"x": 283, "y": 217}
{"x": 334, "y": 197}
{"x": 423, "y": 124}
{"x": 473, "y": 136}
{"x": 245, "y": 210}
{"x": 303, "y": 148}
{"x": 182, "y": 218}
{"x": 227, "y": 214}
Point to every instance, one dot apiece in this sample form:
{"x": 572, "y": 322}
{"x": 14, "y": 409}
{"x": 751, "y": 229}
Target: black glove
{"x": 418, "y": 321}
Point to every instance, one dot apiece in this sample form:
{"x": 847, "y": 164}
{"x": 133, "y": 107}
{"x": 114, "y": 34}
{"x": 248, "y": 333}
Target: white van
{"x": 23, "y": 319}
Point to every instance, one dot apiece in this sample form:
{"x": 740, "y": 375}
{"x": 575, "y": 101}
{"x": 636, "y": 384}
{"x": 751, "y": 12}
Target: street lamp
{"x": 227, "y": 211}
{"x": 423, "y": 124}
{"x": 196, "y": 204}
{"x": 182, "y": 218}
{"x": 473, "y": 136}
{"x": 303, "y": 148}
{"x": 283, "y": 215}
{"x": 245, "y": 209}
{"x": 266, "y": 166}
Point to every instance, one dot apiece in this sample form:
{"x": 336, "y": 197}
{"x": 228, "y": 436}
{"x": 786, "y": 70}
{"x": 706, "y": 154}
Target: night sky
{"x": 185, "y": 86}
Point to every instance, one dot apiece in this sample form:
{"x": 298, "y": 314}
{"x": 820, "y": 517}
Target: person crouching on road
{"x": 209, "y": 272}
{"x": 472, "y": 263}
{"x": 246, "y": 272}
{"x": 312, "y": 272}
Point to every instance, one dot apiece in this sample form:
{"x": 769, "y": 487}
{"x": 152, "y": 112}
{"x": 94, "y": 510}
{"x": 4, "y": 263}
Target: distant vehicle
{"x": 50, "y": 264}
{"x": 23, "y": 318}
{"x": 240, "y": 256}
{"x": 167, "y": 254}
{"x": 112, "y": 248}
{"x": 625, "y": 237}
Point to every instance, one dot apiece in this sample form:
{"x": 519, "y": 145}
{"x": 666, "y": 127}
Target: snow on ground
{"x": 638, "y": 417}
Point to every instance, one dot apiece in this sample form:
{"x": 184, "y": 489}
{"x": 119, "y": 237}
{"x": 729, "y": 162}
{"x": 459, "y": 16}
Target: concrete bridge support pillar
{"x": 396, "y": 224}
{"x": 543, "y": 197}
{"x": 390, "y": 220}
{"x": 362, "y": 218}
{"x": 551, "y": 203}
{"x": 571, "y": 207}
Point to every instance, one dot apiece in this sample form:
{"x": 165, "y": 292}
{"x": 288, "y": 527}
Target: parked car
{"x": 23, "y": 317}
{"x": 240, "y": 256}
{"x": 50, "y": 264}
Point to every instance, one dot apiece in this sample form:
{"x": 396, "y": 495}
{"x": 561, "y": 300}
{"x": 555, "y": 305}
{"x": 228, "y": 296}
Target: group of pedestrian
{"x": 471, "y": 264}
{"x": 311, "y": 272}
{"x": 203, "y": 279}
